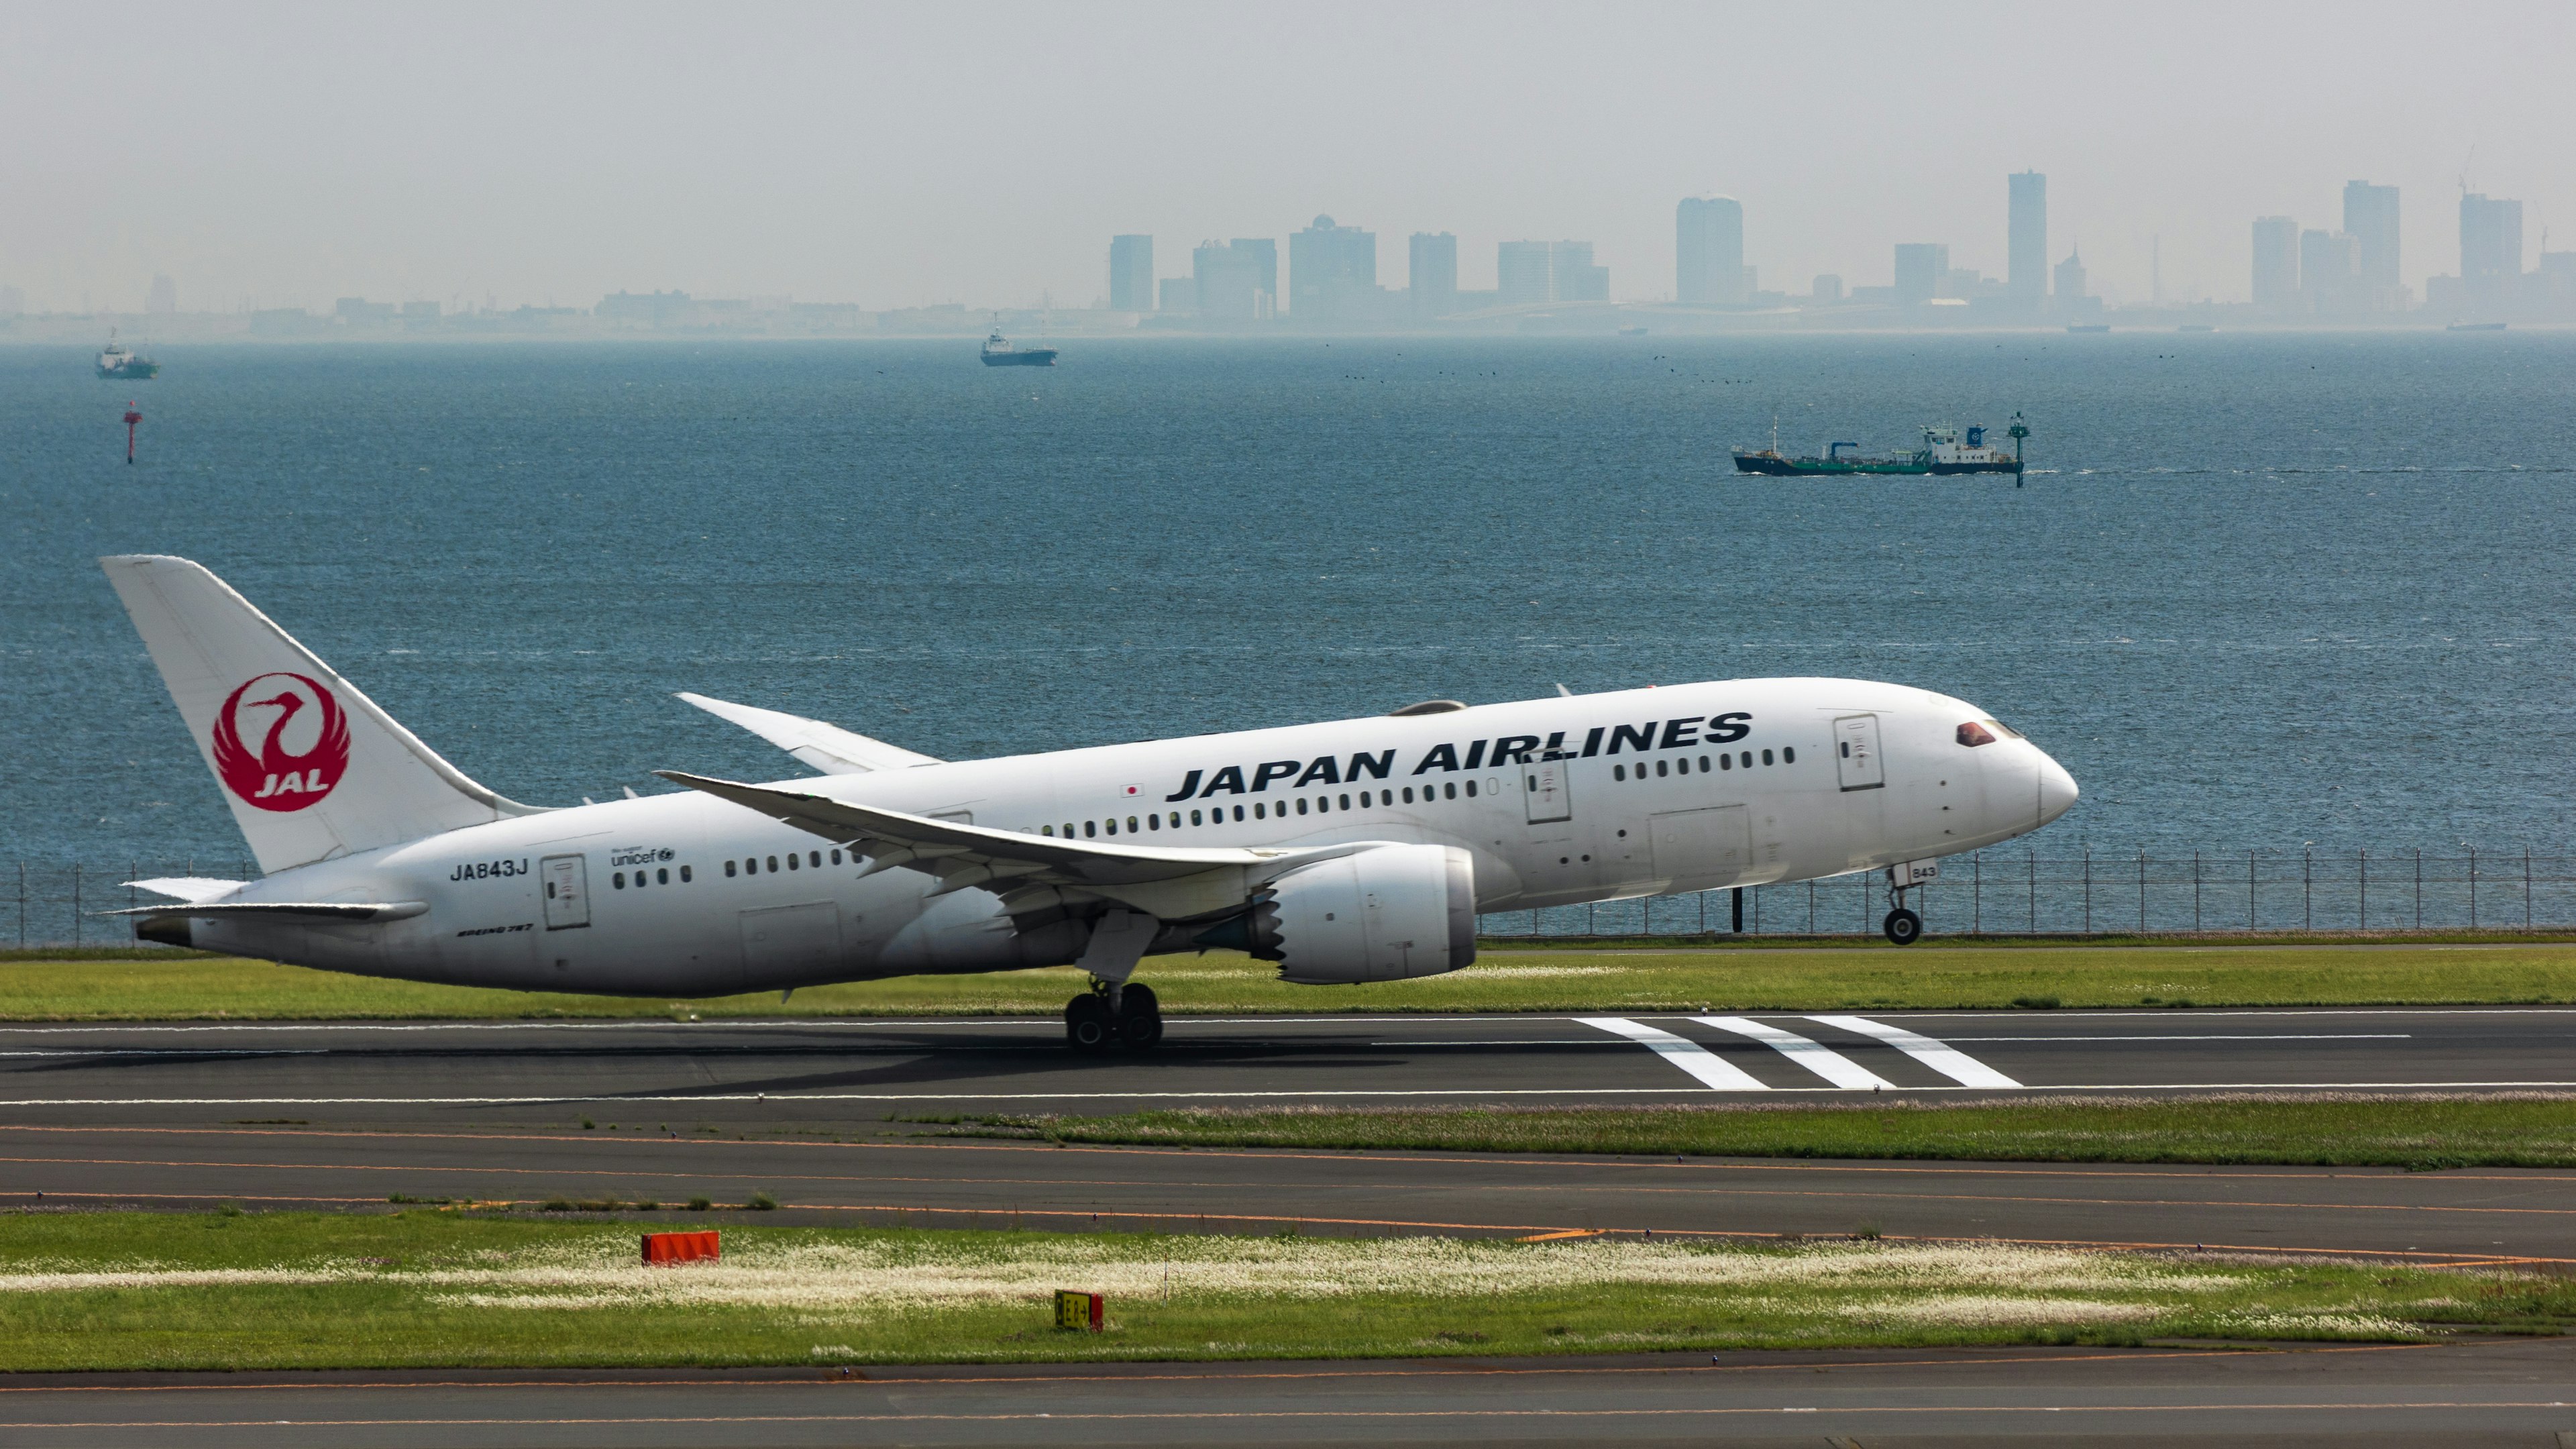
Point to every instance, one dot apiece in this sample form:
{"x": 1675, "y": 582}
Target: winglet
{"x": 826, "y": 747}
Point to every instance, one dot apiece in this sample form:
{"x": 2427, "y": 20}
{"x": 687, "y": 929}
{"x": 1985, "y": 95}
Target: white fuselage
{"x": 1654, "y": 791}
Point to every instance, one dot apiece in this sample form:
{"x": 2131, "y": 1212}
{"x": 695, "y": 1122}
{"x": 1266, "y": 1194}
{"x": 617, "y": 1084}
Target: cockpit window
{"x": 1999, "y": 727}
{"x": 1973, "y": 734}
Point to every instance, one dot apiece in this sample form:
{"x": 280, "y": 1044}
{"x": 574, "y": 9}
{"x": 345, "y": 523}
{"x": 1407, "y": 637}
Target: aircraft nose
{"x": 2057, "y": 790}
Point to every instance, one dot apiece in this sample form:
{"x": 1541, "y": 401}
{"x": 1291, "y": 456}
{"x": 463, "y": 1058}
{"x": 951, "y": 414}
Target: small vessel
{"x": 1943, "y": 452}
{"x": 2475, "y": 327}
{"x": 999, "y": 352}
{"x": 114, "y": 361}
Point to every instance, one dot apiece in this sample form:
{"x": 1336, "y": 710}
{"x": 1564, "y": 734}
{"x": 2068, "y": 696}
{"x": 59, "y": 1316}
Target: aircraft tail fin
{"x": 310, "y": 766}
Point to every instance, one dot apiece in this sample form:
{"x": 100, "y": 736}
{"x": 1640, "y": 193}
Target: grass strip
{"x": 243, "y": 1291}
{"x": 2418, "y": 1132}
{"x": 1534, "y": 979}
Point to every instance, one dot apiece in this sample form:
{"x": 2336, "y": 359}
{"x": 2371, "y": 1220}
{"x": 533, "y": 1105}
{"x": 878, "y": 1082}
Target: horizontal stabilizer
{"x": 826, "y": 747}
{"x": 302, "y": 910}
{"x": 190, "y": 887}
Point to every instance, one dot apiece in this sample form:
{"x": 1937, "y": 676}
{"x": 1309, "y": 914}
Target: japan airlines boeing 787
{"x": 1357, "y": 850}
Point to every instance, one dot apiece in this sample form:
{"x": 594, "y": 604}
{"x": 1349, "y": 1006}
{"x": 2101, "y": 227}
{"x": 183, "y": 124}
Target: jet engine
{"x": 1386, "y": 914}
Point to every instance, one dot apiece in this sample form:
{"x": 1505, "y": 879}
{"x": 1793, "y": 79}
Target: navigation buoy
{"x": 131, "y": 418}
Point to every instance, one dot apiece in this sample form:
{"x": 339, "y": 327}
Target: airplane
{"x": 1351, "y": 851}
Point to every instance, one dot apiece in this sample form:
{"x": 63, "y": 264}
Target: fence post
{"x": 2307, "y": 888}
{"x": 1703, "y": 913}
{"x": 1589, "y": 927}
{"x": 2253, "y": 921}
{"x": 76, "y": 904}
{"x": 2419, "y": 888}
{"x": 2526, "y": 887}
{"x": 2032, "y": 856}
{"x": 2473, "y": 887}
{"x": 22, "y": 905}
{"x": 2142, "y": 892}
{"x": 2365, "y": 890}
{"x": 1811, "y": 906}
{"x": 1977, "y": 894}
{"x": 1757, "y": 910}
{"x": 2195, "y": 892}
{"x": 2088, "y": 890}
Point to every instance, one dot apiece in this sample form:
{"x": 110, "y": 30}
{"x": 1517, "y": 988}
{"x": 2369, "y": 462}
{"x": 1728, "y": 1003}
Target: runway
{"x": 2512, "y": 1392}
{"x": 348, "y": 1115}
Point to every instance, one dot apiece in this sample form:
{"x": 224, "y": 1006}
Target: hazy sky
{"x": 984, "y": 153}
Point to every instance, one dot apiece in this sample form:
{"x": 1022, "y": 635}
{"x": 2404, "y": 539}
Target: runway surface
{"x": 2514, "y": 1392}
{"x": 348, "y": 1115}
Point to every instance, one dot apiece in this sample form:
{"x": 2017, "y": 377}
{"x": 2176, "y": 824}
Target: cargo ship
{"x": 1943, "y": 452}
{"x": 115, "y": 362}
{"x": 999, "y": 352}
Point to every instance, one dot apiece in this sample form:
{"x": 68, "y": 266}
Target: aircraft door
{"x": 1856, "y": 758}
{"x": 1548, "y": 790}
{"x": 567, "y": 889}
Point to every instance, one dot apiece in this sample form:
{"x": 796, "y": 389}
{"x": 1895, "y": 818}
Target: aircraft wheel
{"x": 1902, "y": 926}
{"x": 1088, "y": 1026}
{"x": 1140, "y": 1016}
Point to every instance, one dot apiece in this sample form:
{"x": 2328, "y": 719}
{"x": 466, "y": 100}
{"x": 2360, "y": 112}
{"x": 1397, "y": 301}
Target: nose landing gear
{"x": 1902, "y": 927}
{"x": 1111, "y": 1014}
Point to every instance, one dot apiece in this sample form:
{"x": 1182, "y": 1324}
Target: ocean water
{"x": 2259, "y": 591}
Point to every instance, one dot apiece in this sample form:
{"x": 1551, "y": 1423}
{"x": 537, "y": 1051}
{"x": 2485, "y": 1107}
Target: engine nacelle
{"x": 1378, "y": 915}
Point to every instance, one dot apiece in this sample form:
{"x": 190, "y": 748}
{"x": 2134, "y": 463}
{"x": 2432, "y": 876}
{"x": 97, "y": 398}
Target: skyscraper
{"x": 2276, "y": 262}
{"x": 2070, "y": 283}
{"x": 1238, "y": 280}
{"x": 1573, "y": 277}
{"x": 2370, "y": 218}
{"x": 1131, "y": 274}
{"x": 2328, "y": 271}
{"x": 1332, "y": 271}
{"x": 1921, "y": 269}
{"x": 1431, "y": 273}
{"x": 1708, "y": 251}
{"x": 2026, "y": 241}
{"x": 1522, "y": 274}
{"x": 164, "y": 296}
{"x": 2490, "y": 249}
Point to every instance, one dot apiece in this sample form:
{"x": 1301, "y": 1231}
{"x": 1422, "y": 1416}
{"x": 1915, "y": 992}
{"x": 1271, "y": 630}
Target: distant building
{"x": 2490, "y": 250}
{"x": 645, "y": 309}
{"x": 1921, "y": 268}
{"x": 1131, "y": 273}
{"x": 1522, "y": 273}
{"x": 1431, "y": 273}
{"x": 419, "y": 314}
{"x": 2072, "y": 300}
{"x": 2276, "y": 262}
{"x": 1708, "y": 252}
{"x": 163, "y": 299}
{"x": 1177, "y": 294}
{"x": 2329, "y": 271}
{"x": 2370, "y": 219}
{"x": 359, "y": 312}
{"x": 2026, "y": 240}
{"x": 1332, "y": 272}
{"x": 1828, "y": 288}
{"x": 1573, "y": 276}
{"x": 1238, "y": 281}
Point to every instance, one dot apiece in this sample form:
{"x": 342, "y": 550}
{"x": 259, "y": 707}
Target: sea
{"x": 2275, "y": 591}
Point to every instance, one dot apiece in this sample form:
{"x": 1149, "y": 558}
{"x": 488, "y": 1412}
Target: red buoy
{"x": 131, "y": 418}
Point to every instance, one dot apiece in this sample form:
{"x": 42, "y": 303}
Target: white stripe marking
{"x": 1949, "y": 1061}
{"x": 1716, "y": 1071}
{"x": 1816, "y": 1057}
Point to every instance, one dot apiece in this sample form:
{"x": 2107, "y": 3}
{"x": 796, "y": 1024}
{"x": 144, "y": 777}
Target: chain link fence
{"x": 1991, "y": 893}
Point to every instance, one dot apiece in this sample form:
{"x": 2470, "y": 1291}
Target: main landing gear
{"x": 1111, "y": 1014}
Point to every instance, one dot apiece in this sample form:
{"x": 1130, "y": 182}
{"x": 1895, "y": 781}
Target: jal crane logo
{"x": 303, "y": 742}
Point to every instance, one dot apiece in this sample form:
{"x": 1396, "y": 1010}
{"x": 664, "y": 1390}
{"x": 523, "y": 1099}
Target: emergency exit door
{"x": 1856, "y": 752}
{"x": 567, "y": 888}
{"x": 1544, "y": 790}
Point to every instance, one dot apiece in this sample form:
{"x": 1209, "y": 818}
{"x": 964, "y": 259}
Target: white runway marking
{"x": 1949, "y": 1061}
{"x": 1822, "y": 1060}
{"x": 2215, "y": 1036}
{"x": 1682, "y": 1052}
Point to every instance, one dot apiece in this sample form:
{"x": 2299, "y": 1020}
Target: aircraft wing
{"x": 189, "y": 887}
{"x": 827, "y": 747}
{"x": 301, "y": 910}
{"x": 1004, "y": 861}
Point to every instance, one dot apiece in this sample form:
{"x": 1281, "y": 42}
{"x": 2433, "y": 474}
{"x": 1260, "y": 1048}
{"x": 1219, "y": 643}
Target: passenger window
{"x": 773, "y": 864}
{"x": 1301, "y": 804}
{"x": 836, "y": 857}
{"x": 1747, "y": 757}
{"x": 550, "y": 890}
{"x": 1046, "y": 830}
{"x": 685, "y": 877}
{"x": 1846, "y": 748}
{"x": 1726, "y": 762}
{"x": 1766, "y": 757}
{"x": 1153, "y": 822}
{"x": 1449, "y": 792}
{"x": 1068, "y": 830}
{"x": 1663, "y": 769}
{"x": 661, "y": 877}
{"x": 1194, "y": 817}
{"x": 1131, "y": 824}
{"x": 1346, "y": 801}
{"x": 791, "y": 860}
{"x": 618, "y": 880}
{"x": 1618, "y": 772}
{"x": 1471, "y": 789}
{"x": 814, "y": 858}
{"x": 1260, "y": 811}
{"x": 1788, "y": 756}
{"x": 1408, "y": 794}
{"x": 1682, "y": 765}
{"x": 1703, "y": 764}
{"x": 1113, "y": 825}
{"x": 728, "y": 871}
{"x": 1238, "y": 812}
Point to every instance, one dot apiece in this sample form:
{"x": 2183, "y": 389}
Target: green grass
{"x": 2322, "y": 1129}
{"x": 1659, "y": 978}
{"x": 427, "y": 1289}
